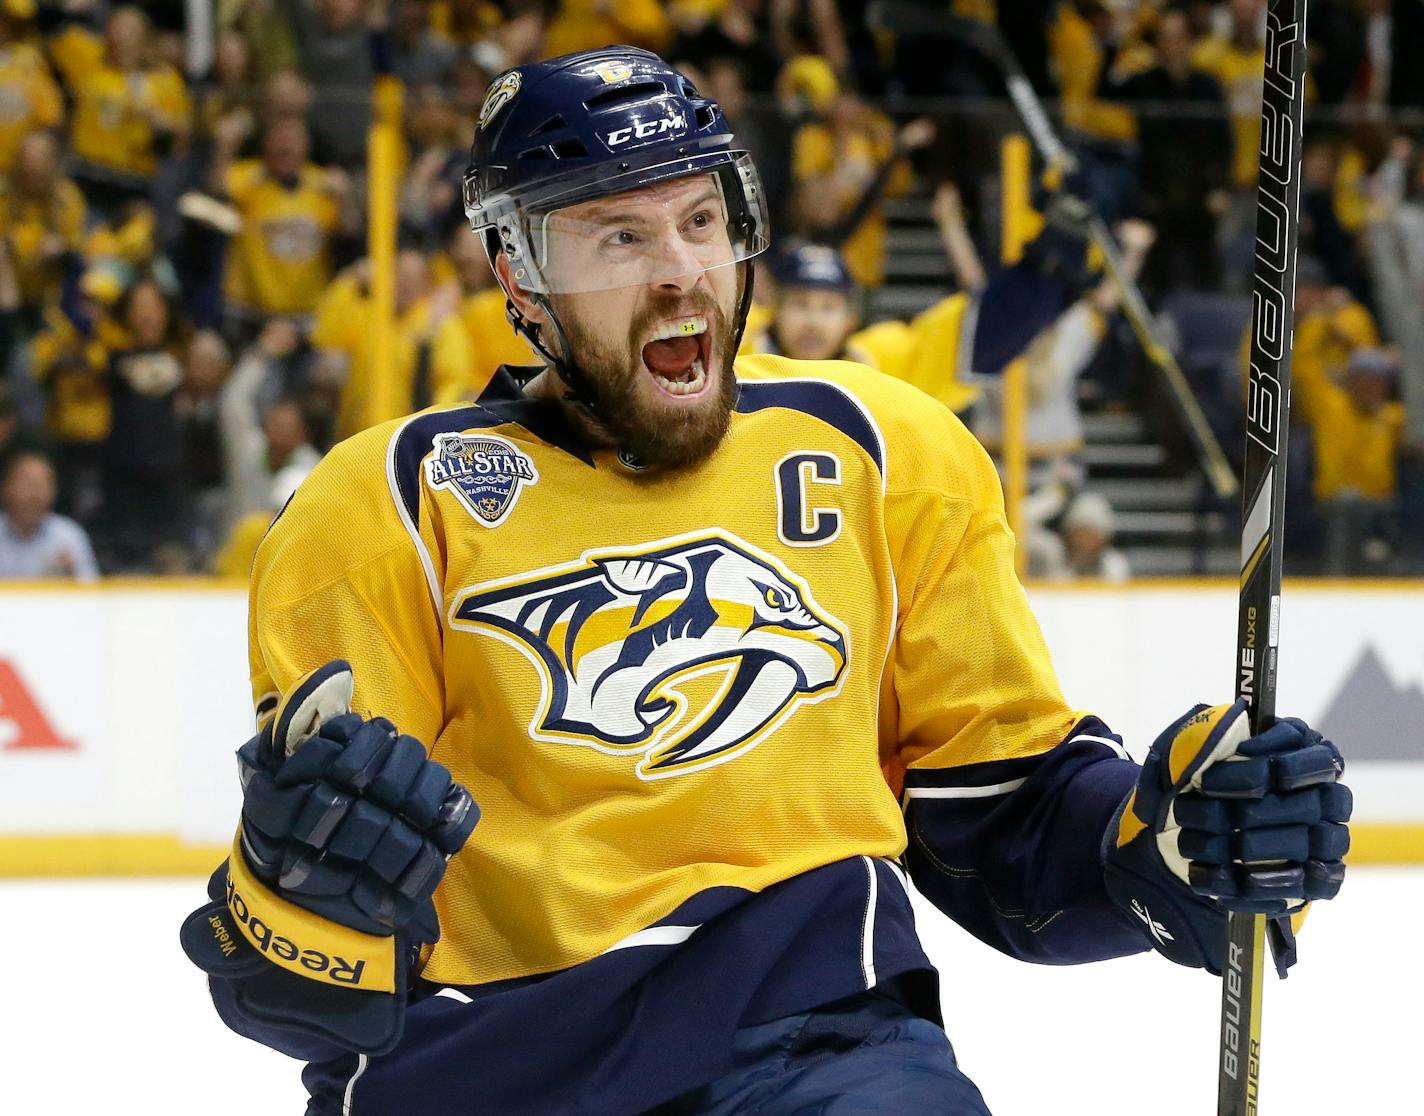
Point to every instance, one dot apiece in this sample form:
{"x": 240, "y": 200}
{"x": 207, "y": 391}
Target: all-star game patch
{"x": 485, "y": 472}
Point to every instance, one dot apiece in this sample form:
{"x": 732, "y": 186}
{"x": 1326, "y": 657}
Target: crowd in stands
{"x": 184, "y": 293}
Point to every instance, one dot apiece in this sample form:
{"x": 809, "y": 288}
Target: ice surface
{"x": 102, "y": 1013}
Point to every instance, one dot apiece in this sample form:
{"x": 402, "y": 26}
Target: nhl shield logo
{"x": 486, "y": 473}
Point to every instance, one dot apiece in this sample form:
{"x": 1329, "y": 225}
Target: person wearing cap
{"x": 816, "y": 315}
{"x": 1357, "y": 426}
{"x": 1082, "y": 545}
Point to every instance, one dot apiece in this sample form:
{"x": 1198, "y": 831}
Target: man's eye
{"x": 701, "y": 220}
{"x": 623, "y": 238}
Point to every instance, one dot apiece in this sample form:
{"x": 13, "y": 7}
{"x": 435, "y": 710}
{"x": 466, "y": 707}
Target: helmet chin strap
{"x": 577, "y": 388}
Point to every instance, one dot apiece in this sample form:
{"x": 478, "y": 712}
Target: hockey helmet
{"x": 588, "y": 125}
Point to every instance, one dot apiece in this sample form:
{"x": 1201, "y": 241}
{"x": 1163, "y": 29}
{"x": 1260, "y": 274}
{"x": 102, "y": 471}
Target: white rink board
{"x": 150, "y": 686}
{"x": 106, "y": 1015}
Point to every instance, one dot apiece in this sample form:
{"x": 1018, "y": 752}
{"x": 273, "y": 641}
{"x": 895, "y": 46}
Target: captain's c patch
{"x": 485, "y": 472}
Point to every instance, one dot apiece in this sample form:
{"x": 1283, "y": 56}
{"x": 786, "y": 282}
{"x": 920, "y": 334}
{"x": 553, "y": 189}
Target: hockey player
{"x": 725, "y": 649}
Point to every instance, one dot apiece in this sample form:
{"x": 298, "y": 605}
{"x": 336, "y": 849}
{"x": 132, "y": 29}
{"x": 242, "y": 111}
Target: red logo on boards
{"x": 23, "y": 724}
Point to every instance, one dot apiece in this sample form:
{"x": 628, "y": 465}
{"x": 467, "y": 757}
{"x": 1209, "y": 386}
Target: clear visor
{"x": 671, "y": 230}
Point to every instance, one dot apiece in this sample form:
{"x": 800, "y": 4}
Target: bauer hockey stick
{"x": 1264, "y": 501}
{"x": 910, "y": 18}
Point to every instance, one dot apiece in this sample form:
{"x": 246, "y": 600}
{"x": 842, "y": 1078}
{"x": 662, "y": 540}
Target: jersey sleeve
{"x": 339, "y": 576}
{"x": 75, "y": 50}
{"x": 1007, "y": 790}
{"x": 241, "y": 182}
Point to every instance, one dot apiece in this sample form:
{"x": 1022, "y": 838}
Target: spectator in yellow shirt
{"x": 127, "y": 110}
{"x": 1329, "y": 325}
{"x": 1238, "y": 60}
{"x": 428, "y": 361}
{"x": 1095, "y": 45}
{"x": 29, "y": 96}
{"x": 586, "y": 24}
{"x": 280, "y": 260}
{"x": 835, "y": 160}
{"x": 42, "y": 216}
{"x": 482, "y": 311}
{"x": 1358, "y": 427}
{"x": 1083, "y": 40}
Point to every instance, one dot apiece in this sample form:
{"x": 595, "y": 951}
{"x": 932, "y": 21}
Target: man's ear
{"x": 530, "y": 308}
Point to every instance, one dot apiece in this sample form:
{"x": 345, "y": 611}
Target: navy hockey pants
{"x": 865, "y": 1056}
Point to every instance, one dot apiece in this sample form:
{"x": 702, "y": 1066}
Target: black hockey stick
{"x": 1264, "y": 500}
{"x": 906, "y": 17}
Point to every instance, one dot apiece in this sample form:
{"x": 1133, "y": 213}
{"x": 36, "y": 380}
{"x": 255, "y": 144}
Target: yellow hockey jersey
{"x": 658, "y": 683}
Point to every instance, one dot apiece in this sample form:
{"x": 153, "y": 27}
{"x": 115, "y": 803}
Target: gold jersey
{"x": 280, "y": 261}
{"x": 656, "y": 683}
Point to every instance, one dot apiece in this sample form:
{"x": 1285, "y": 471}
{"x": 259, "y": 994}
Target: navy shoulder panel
{"x": 503, "y": 402}
{"x": 821, "y": 399}
{"x": 414, "y": 440}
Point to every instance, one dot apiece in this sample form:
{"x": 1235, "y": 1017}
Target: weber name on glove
{"x": 319, "y": 913}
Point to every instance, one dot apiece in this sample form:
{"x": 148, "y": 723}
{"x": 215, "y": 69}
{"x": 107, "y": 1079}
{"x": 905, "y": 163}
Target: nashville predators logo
{"x": 500, "y": 92}
{"x": 688, "y": 652}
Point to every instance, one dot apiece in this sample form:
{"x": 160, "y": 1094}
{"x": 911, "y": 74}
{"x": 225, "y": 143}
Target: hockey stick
{"x": 909, "y": 18}
{"x": 1264, "y": 500}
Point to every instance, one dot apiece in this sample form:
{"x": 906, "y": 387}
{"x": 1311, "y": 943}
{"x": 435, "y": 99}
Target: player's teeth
{"x": 686, "y": 327}
{"x": 690, "y": 387}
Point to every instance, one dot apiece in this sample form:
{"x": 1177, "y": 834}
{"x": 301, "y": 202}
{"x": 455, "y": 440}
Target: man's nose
{"x": 680, "y": 268}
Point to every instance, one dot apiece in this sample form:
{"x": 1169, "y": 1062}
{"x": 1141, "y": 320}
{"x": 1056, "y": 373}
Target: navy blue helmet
{"x": 588, "y": 125}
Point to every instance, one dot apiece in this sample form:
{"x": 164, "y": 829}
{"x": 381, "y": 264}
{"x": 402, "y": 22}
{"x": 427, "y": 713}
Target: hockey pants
{"x": 863, "y": 1056}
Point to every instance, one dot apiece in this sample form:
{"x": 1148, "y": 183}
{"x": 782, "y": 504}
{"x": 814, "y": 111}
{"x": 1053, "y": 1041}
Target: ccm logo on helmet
{"x": 646, "y": 129}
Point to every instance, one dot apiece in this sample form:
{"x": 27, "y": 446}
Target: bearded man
{"x": 728, "y": 651}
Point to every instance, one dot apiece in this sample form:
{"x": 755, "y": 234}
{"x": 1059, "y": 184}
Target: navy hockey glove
{"x": 1061, "y": 250}
{"x": 1225, "y": 821}
{"x": 320, "y": 912}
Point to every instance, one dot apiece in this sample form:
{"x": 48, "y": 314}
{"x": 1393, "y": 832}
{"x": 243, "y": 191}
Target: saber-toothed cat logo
{"x": 688, "y": 651}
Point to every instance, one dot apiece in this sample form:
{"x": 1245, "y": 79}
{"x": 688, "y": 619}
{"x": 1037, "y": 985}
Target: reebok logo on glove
{"x": 1154, "y": 927}
{"x": 280, "y": 948}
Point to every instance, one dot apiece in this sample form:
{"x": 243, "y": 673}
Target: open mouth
{"x": 679, "y": 354}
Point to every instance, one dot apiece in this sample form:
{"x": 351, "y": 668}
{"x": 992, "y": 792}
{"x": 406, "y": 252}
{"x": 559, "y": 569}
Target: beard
{"x": 607, "y": 376}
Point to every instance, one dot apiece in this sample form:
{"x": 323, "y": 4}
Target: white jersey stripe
{"x": 1113, "y": 744}
{"x": 362, "y": 1061}
{"x": 867, "y": 930}
{"x": 431, "y": 581}
{"x": 656, "y": 935}
{"x": 964, "y": 792}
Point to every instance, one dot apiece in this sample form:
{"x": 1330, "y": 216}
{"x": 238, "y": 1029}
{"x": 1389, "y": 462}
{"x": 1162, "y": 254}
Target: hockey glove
{"x": 321, "y": 909}
{"x": 1225, "y": 821}
{"x": 1061, "y": 250}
